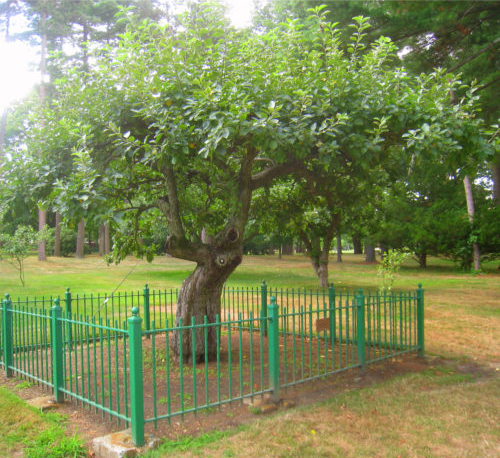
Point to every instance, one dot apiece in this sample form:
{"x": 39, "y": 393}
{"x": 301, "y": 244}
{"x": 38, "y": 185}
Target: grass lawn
{"x": 25, "y": 431}
{"x": 445, "y": 411}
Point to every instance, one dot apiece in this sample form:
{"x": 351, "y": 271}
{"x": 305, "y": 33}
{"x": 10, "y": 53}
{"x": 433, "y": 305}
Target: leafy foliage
{"x": 387, "y": 269}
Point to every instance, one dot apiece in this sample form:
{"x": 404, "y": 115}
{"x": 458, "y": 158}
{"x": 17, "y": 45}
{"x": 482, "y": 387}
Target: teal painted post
{"x": 8, "y": 353}
{"x": 136, "y": 387}
{"x": 263, "y": 307}
{"x": 331, "y": 308}
{"x": 274, "y": 350}
{"x": 69, "y": 331}
{"x": 57, "y": 350}
{"x": 147, "y": 319}
{"x": 360, "y": 328}
{"x": 420, "y": 320}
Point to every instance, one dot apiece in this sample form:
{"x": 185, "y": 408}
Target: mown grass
{"x": 438, "y": 413}
{"x": 25, "y": 431}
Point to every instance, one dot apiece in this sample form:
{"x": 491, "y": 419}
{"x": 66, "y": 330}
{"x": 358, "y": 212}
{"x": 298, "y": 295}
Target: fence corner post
{"x": 331, "y": 312}
{"x": 7, "y": 336}
{"x": 136, "y": 383}
{"x": 57, "y": 350}
{"x": 274, "y": 350}
{"x": 263, "y": 306}
{"x": 147, "y": 319}
{"x": 420, "y": 320}
{"x": 360, "y": 328}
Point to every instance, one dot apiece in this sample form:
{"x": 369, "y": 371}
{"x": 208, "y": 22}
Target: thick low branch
{"x": 265, "y": 177}
{"x": 183, "y": 249}
{"x": 171, "y": 207}
{"x": 239, "y": 218}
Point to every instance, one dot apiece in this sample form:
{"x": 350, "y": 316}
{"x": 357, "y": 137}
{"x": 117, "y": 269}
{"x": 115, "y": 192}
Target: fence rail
{"x": 264, "y": 340}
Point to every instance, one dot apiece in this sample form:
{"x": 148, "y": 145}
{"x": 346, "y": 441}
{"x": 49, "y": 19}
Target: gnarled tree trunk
{"x": 200, "y": 296}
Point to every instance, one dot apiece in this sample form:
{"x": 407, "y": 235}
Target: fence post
{"x": 360, "y": 327}
{"x": 147, "y": 319}
{"x": 331, "y": 307}
{"x": 136, "y": 386}
{"x": 420, "y": 320}
{"x": 7, "y": 343}
{"x": 263, "y": 306}
{"x": 274, "y": 350}
{"x": 69, "y": 331}
{"x": 56, "y": 339}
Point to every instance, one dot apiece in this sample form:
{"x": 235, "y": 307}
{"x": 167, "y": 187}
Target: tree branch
{"x": 171, "y": 207}
{"x": 266, "y": 176}
{"x": 491, "y": 83}
{"x": 183, "y": 249}
{"x": 478, "y": 53}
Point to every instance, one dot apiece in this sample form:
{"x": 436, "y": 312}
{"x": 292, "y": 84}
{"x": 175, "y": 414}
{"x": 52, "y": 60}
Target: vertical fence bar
{"x": 136, "y": 386}
{"x": 7, "y": 335}
{"x": 420, "y": 320}
{"x": 360, "y": 328}
{"x": 147, "y": 319}
{"x": 331, "y": 308}
{"x": 67, "y": 300}
{"x": 57, "y": 350}
{"x": 263, "y": 306}
{"x": 274, "y": 350}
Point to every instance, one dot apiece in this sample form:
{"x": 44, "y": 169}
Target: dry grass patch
{"x": 440, "y": 413}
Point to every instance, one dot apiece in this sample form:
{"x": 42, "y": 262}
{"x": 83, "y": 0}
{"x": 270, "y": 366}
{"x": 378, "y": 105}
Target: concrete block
{"x": 120, "y": 445}
{"x": 43, "y": 403}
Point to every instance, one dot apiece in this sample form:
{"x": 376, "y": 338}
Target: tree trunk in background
{"x": 339, "y": 247}
{"x": 422, "y": 260}
{"x": 287, "y": 249}
{"x": 320, "y": 266}
{"x": 299, "y": 247}
{"x": 496, "y": 182}
{"x": 57, "y": 236}
{"x": 357, "y": 244}
{"x": 369, "y": 253}
{"x": 80, "y": 240}
{"x": 107, "y": 239}
{"x": 471, "y": 211}
{"x": 100, "y": 239}
{"x": 42, "y": 222}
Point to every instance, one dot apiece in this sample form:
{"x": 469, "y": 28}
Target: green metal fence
{"x": 265, "y": 340}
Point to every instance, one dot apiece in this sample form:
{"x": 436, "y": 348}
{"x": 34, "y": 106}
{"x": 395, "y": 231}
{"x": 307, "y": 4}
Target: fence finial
{"x": 135, "y": 311}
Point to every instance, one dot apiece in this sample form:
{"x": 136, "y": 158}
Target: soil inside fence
{"x": 90, "y": 424}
